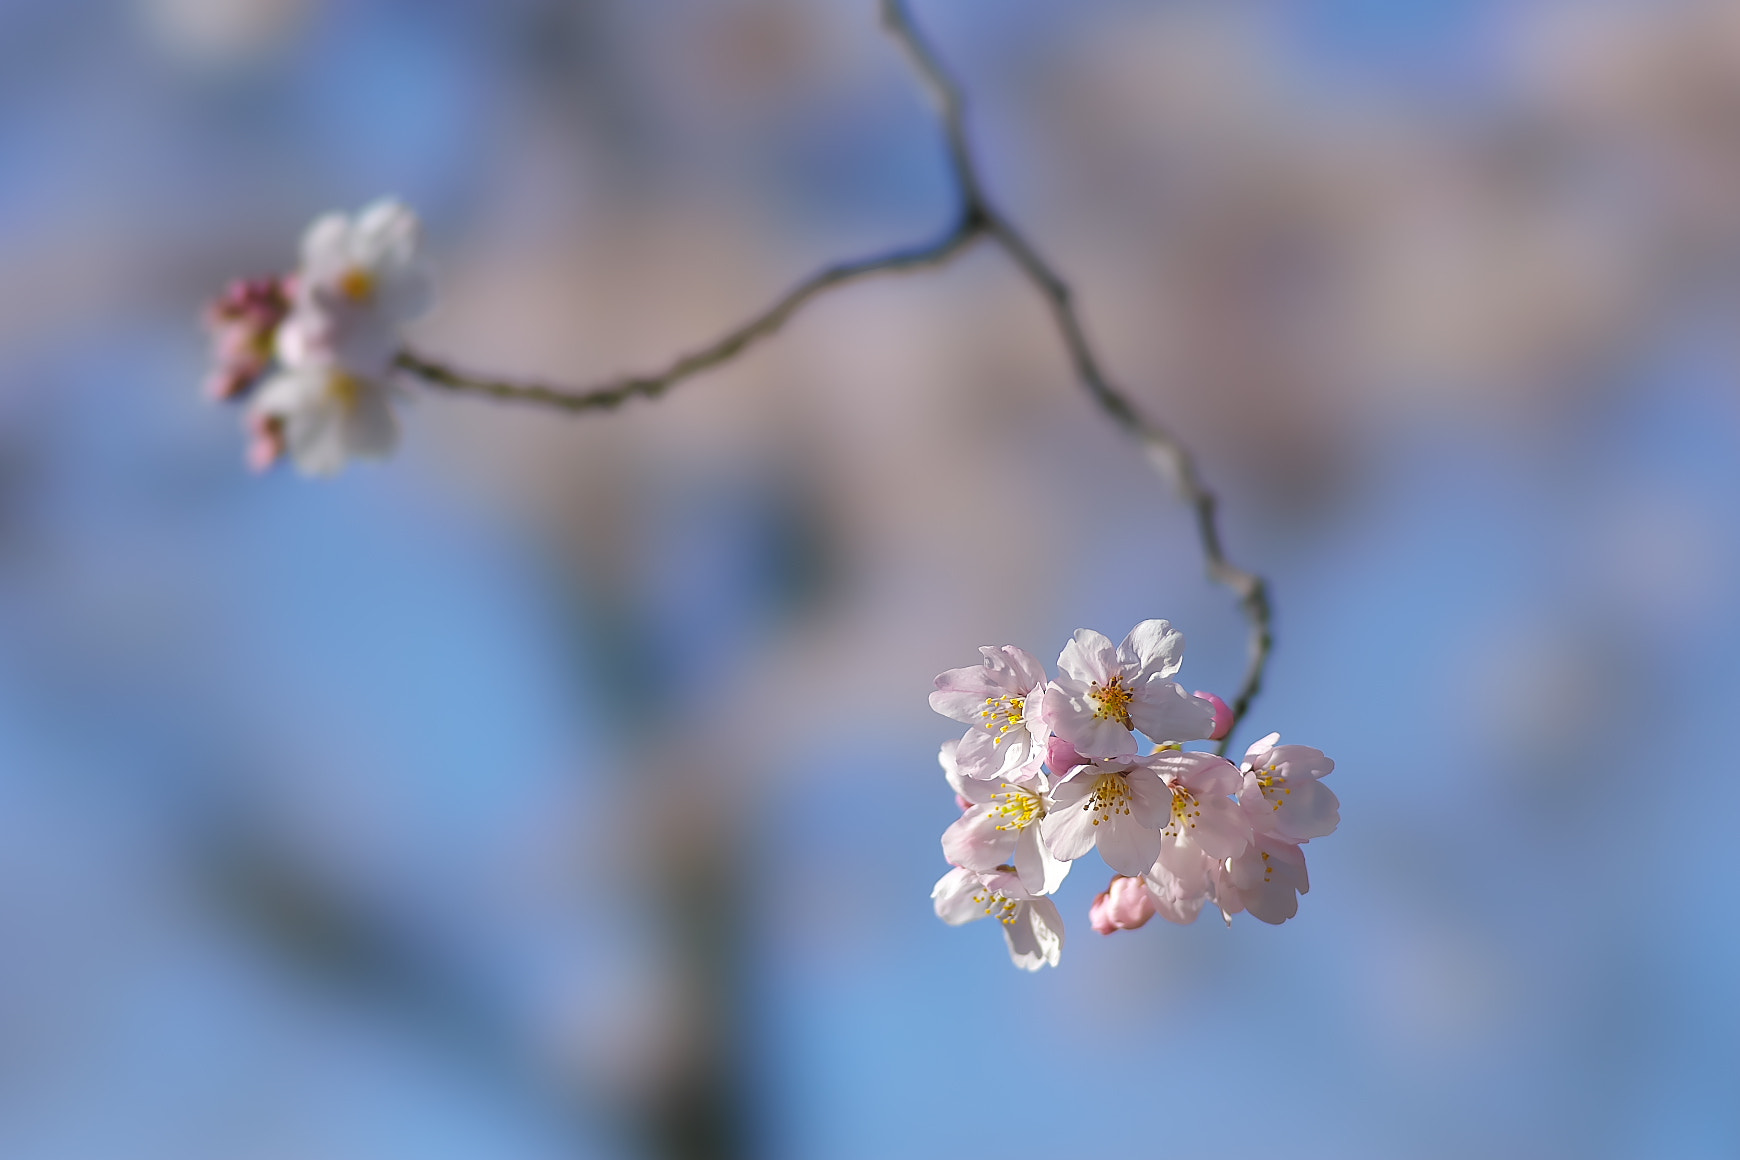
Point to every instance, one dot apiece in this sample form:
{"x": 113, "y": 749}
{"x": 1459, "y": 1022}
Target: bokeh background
{"x": 566, "y": 787}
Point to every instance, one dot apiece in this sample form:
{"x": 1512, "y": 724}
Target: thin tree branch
{"x": 610, "y": 395}
{"x": 1165, "y": 451}
{"x": 976, "y": 217}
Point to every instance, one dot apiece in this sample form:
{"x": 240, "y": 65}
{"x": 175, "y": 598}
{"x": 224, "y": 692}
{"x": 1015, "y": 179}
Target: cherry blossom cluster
{"x": 311, "y": 352}
{"x": 1050, "y": 769}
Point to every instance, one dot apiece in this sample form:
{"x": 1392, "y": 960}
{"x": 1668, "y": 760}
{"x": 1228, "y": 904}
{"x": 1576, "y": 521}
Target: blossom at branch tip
{"x": 360, "y": 281}
{"x": 999, "y": 825}
{"x": 1281, "y": 792}
{"x": 322, "y": 416}
{"x": 1032, "y": 927}
{"x": 1105, "y": 694}
{"x": 243, "y": 323}
{"x": 1000, "y": 698}
{"x": 1124, "y": 905}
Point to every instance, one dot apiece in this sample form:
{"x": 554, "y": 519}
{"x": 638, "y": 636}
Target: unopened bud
{"x": 1124, "y": 905}
{"x": 1223, "y": 715}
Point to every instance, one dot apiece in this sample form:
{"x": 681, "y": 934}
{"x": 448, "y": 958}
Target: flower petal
{"x": 1153, "y": 648}
{"x": 1089, "y": 657}
{"x": 974, "y": 841}
{"x": 1127, "y": 846}
{"x": 1163, "y": 711}
{"x": 953, "y": 897}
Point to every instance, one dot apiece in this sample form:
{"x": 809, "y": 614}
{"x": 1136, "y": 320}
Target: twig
{"x": 608, "y": 396}
{"x": 976, "y": 216}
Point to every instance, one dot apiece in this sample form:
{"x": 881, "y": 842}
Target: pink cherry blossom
{"x": 1266, "y": 880}
{"x": 1124, "y": 905}
{"x": 1117, "y": 804}
{"x": 1000, "y": 698}
{"x": 1032, "y": 927}
{"x": 999, "y": 825}
{"x": 1204, "y": 820}
{"x": 1180, "y": 886}
{"x": 1105, "y": 694}
{"x": 1281, "y": 793}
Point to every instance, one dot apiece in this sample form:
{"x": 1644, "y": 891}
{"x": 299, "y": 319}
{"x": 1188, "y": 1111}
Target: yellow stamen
{"x": 345, "y": 389}
{"x": 356, "y": 284}
{"x": 1110, "y": 796}
{"x": 1112, "y": 701}
{"x": 1020, "y": 806}
{"x": 1008, "y": 710}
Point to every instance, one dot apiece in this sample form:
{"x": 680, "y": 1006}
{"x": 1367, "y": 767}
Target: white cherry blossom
{"x": 1001, "y": 698}
{"x": 1032, "y": 927}
{"x": 999, "y": 825}
{"x": 1119, "y": 805}
{"x": 1048, "y": 771}
{"x": 1104, "y": 694}
{"x": 323, "y": 417}
{"x": 360, "y": 281}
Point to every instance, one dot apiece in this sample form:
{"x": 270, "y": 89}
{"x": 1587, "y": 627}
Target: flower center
{"x": 1112, "y": 701}
{"x": 356, "y": 284}
{"x": 1185, "y": 811}
{"x": 346, "y": 390}
{"x": 1110, "y": 795}
{"x": 1009, "y": 711}
{"x": 998, "y": 905}
{"x": 1273, "y": 784}
{"x": 1020, "y": 808}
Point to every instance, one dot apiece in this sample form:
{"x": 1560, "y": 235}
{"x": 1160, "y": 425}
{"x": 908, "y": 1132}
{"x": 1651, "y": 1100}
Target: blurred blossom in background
{"x": 467, "y": 806}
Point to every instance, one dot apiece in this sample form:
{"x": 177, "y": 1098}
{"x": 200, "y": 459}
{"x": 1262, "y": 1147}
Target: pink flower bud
{"x": 265, "y": 441}
{"x": 1124, "y": 905}
{"x": 1061, "y": 756}
{"x": 242, "y": 322}
{"x": 1223, "y": 715}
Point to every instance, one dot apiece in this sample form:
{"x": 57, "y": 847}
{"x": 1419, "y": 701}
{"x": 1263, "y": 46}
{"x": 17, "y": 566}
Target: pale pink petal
{"x": 1163, "y": 711}
{"x": 1089, "y": 657}
{"x": 1150, "y": 797}
{"x": 1127, "y": 846}
{"x": 1072, "y": 716}
{"x": 1153, "y": 648}
{"x": 974, "y": 841}
{"x": 1039, "y": 872}
{"x": 1068, "y": 828}
{"x": 1221, "y": 828}
{"x": 1035, "y": 938}
{"x": 953, "y": 897}
{"x": 1261, "y": 746}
